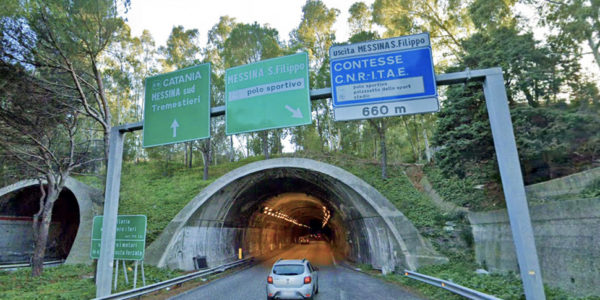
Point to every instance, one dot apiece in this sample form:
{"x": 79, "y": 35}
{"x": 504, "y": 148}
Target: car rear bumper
{"x": 289, "y": 293}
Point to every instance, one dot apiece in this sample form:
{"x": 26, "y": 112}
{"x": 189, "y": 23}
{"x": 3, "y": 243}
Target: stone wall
{"x": 566, "y": 236}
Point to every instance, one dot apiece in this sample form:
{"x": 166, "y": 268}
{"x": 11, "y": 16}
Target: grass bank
{"x": 68, "y": 282}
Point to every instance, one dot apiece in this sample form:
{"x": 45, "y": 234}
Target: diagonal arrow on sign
{"x": 174, "y": 125}
{"x": 296, "y": 113}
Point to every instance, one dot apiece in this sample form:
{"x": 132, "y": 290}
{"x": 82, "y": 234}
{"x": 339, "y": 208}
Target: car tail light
{"x": 307, "y": 280}
{"x": 270, "y": 279}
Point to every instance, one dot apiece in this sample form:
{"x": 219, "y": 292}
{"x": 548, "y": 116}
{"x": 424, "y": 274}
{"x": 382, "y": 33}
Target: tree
{"x": 120, "y": 66}
{"x": 447, "y": 21}
{"x": 39, "y": 133}
{"x": 183, "y": 50}
{"x": 531, "y": 71}
{"x": 488, "y": 15}
{"x": 360, "y": 18}
{"x": 315, "y": 35}
{"x": 248, "y": 43}
{"x": 213, "y": 53}
{"x": 574, "y": 21}
{"x": 127, "y": 62}
{"x": 463, "y": 133}
{"x": 379, "y": 126}
{"x": 555, "y": 141}
{"x": 534, "y": 75}
{"x": 140, "y": 61}
{"x": 62, "y": 40}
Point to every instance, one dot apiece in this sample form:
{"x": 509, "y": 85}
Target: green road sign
{"x": 268, "y": 94}
{"x": 131, "y": 237}
{"x": 177, "y": 106}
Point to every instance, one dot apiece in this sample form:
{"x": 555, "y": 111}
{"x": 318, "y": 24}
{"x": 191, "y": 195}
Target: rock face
{"x": 71, "y": 228}
{"x": 566, "y": 235}
{"x": 232, "y": 213}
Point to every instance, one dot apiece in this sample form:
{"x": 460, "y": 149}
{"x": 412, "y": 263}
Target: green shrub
{"x": 464, "y": 192}
{"x": 592, "y": 190}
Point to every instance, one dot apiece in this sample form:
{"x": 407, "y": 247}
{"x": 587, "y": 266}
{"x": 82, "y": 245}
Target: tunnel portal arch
{"x": 231, "y": 213}
{"x": 73, "y": 214}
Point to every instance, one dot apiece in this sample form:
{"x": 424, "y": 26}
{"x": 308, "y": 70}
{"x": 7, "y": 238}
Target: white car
{"x": 292, "y": 279}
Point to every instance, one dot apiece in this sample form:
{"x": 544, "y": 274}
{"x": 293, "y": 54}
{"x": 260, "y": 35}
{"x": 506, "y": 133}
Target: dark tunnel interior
{"x": 285, "y": 210}
{"x": 16, "y": 217}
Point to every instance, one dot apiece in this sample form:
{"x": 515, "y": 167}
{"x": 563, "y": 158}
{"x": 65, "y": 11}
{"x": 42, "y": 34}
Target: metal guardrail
{"x": 450, "y": 286}
{"x": 177, "y": 280}
{"x": 28, "y": 264}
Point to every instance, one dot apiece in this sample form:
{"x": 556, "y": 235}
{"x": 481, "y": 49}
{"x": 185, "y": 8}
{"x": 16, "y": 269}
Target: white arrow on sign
{"x": 174, "y": 125}
{"x": 296, "y": 113}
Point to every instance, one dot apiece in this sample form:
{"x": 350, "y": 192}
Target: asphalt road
{"x": 335, "y": 282}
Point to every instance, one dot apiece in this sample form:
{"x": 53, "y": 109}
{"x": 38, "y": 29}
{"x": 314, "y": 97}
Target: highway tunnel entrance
{"x": 16, "y": 225}
{"x": 70, "y": 230}
{"x": 270, "y": 205}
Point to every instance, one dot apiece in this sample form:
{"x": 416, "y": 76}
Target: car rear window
{"x": 288, "y": 269}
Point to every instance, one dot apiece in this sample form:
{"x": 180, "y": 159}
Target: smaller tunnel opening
{"x": 16, "y": 225}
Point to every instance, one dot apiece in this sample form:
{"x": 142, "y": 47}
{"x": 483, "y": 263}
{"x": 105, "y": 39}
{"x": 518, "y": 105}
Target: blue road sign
{"x": 395, "y": 71}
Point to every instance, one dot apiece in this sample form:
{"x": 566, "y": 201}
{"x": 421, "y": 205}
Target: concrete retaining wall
{"x": 219, "y": 245}
{"x": 567, "y": 237}
{"x": 16, "y": 244}
{"x": 570, "y": 185}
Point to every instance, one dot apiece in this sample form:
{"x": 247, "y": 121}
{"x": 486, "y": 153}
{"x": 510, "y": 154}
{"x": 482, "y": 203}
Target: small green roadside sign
{"x": 131, "y": 237}
{"x": 177, "y": 106}
{"x": 269, "y": 94}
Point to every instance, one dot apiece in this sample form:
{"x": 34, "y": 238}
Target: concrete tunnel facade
{"x": 71, "y": 228}
{"x": 267, "y": 205}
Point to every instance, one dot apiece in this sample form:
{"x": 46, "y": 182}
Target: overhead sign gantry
{"x": 382, "y": 78}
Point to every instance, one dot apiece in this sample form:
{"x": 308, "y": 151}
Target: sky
{"x": 159, "y": 16}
